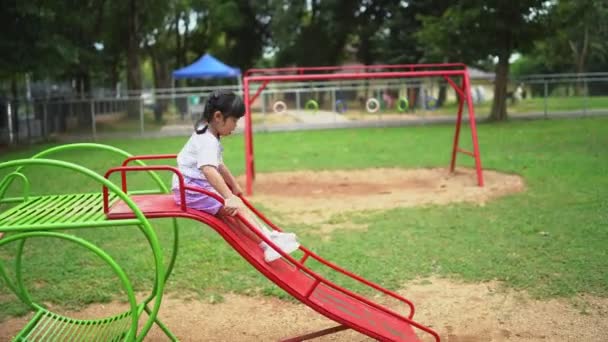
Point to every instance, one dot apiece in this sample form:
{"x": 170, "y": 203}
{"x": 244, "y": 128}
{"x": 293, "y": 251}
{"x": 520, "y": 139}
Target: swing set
{"x": 448, "y": 71}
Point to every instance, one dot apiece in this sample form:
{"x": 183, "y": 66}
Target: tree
{"x": 581, "y": 36}
{"x": 298, "y": 30}
{"x": 473, "y": 30}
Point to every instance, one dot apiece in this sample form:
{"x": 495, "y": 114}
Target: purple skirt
{"x": 196, "y": 200}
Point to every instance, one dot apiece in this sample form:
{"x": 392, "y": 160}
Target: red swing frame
{"x": 445, "y": 70}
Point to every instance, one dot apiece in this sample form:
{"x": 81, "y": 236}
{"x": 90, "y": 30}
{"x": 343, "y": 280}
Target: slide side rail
{"x": 299, "y": 264}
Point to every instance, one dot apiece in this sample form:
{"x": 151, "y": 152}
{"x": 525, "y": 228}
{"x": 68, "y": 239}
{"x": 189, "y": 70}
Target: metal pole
{"x": 333, "y": 102}
{"x": 141, "y": 117}
{"x": 546, "y": 95}
{"x": 264, "y": 111}
{"x": 93, "y": 127}
{"x": 45, "y": 130}
{"x": 9, "y": 112}
{"x": 298, "y": 100}
{"x": 586, "y": 98}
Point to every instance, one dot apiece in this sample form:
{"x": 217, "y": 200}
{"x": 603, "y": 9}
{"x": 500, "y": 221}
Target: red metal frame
{"x": 446, "y": 71}
{"x": 222, "y": 227}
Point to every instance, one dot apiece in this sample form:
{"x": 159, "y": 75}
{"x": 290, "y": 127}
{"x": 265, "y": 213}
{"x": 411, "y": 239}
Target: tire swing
{"x": 279, "y": 107}
{"x": 312, "y": 105}
{"x": 341, "y": 106}
{"x": 372, "y": 105}
{"x": 431, "y": 103}
{"x": 402, "y": 104}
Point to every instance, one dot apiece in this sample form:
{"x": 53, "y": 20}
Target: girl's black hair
{"x": 227, "y": 102}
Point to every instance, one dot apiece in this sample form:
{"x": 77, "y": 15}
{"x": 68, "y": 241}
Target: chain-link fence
{"x": 299, "y": 105}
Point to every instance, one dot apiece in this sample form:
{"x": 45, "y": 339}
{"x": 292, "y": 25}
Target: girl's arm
{"x": 213, "y": 176}
{"x": 230, "y": 180}
{"x": 232, "y": 203}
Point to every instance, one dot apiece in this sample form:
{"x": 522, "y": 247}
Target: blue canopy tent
{"x": 207, "y": 67}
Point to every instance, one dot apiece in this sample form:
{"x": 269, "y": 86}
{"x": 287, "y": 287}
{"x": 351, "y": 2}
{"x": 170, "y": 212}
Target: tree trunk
{"x": 162, "y": 80}
{"x": 499, "y": 105}
{"x": 443, "y": 94}
{"x": 133, "y": 68}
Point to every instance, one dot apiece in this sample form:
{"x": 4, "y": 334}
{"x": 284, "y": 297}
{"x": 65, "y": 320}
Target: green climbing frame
{"x": 47, "y": 217}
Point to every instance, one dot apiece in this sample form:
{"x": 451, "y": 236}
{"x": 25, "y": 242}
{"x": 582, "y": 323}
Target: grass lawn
{"x": 537, "y": 105}
{"x": 549, "y": 240}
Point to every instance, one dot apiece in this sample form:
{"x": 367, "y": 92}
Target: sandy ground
{"x": 316, "y": 196}
{"x": 459, "y": 312}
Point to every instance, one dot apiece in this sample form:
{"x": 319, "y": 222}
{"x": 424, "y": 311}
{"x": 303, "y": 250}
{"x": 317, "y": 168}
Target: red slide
{"x": 349, "y": 309}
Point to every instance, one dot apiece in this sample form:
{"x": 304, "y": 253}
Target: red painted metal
{"x": 333, "y": 266}
{"x": 316, "y": 334}
{"x": 327, "y": 298}
{"x": 473, "y": 124}
{"x": 445, "y": 70}
{"x": 359, "y": 68}
{"x": 457, "y": 131}
{"x": 124, "y": 169}
{"x": 149, "y": 157}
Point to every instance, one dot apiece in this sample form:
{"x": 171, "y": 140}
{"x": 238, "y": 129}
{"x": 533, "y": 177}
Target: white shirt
{"x": 200, "y": 150}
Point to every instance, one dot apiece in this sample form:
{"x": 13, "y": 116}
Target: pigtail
{"x": 202, "y": 124}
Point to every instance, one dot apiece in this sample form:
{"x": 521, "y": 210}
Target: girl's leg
{"x": 236, "y": 223}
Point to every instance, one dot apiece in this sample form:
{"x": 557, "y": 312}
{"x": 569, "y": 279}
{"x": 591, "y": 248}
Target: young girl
{"x": 200, "y": 162}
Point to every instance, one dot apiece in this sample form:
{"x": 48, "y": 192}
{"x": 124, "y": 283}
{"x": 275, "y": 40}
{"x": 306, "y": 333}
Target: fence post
{"x": 298, "y": 100}
{"x": 45, "y": 119}
{"x": 141, "y": 117}
{"x": 93, "y": 125}
{"x": 333, "y": 103}
{"x": 586, "y": 98}
{"x": 9, "y": 113}
{"x": 546, "y": 95}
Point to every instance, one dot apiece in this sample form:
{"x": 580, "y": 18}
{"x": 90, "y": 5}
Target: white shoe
{"x": 286, "y": 246}
{"x": 281, "y": 236}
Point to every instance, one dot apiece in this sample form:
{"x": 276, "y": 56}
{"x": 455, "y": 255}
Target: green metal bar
{"x": 52, "y": 322}
{"x": 174, "y": 253}
{"x": 60, "y": 326}
{"x": 175, "y": 249}
{"x": 19, "y": 276}
{"x": 64, "y": 216}
{"x": 29, "y": 325}
{"x": 95, "y": 208}
{"x": 72, "y": 225}
{"x": 109, "y": 148}
{"x": 25, "y": 209}
{"x": 144, "y": 226}
{"x": 20, "y": 212}
{"x": 9, "y": 283}
{"x": 103, "y": 255}
{"x": 6, "y": 182}
{"x": 38, "y": 213}
{"x": 163, "y": 327}
{"x": 44, "y": 321}
{"x": 70, "y": 327}
{"x": 81, "y": 215}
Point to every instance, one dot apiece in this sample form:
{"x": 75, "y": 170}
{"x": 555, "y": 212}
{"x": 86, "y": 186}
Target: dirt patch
{"x": 317, "y": 195}
{"x": 458, "y": 312}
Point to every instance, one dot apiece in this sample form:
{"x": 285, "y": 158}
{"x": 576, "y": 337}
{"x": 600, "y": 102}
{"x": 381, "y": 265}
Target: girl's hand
{"x": 232, "y": 205}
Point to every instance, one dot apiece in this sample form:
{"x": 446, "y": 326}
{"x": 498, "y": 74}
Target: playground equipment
{"x": 402, "y": 104}
{"x": 43, "y": 216}
{"x": 372, "y": 105}
{"x": 279, "y": 107}
{"x": 312, "y": 105}
{"x": 447, "y": 71}
{"x": 341, "y": 106}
